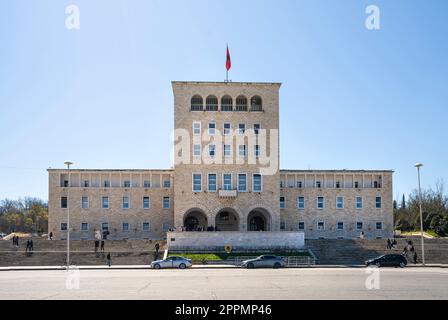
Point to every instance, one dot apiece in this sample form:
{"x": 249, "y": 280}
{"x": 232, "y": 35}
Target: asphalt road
{"x": 197, "y": 284}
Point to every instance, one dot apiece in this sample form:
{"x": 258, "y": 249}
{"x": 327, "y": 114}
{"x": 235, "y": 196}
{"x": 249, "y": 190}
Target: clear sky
{"x": 101, "y": 96}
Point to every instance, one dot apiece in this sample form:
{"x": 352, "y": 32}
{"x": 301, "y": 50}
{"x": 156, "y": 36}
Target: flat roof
{"x": 333, "y": 171}
{"x": 109, "y": 170}
{"x": 229, "y": 83}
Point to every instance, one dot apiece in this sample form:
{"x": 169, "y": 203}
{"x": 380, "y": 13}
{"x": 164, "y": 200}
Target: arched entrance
{"x": 259, "y": 220}
{"x": 195, "y": 220}
{"x": 227, "y": 220}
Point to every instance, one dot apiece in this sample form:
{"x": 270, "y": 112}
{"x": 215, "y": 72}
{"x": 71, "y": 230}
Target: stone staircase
{"x": 355, "y": 252}
{"x": 82, "y": 252}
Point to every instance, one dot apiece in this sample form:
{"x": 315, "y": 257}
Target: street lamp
{"x": 418, "y": 165}
{"x": 68, "y": 164}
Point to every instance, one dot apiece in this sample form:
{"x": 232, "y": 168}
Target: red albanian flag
{"x": 228, "y": 62}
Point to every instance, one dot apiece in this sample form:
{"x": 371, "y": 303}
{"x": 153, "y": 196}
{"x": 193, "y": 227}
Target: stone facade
{"x": 217, "y": 182}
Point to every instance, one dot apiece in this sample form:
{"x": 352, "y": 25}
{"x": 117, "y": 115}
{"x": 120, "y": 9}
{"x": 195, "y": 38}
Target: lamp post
{"x": 418, "y": 165}
{"x": 68, "y": 164}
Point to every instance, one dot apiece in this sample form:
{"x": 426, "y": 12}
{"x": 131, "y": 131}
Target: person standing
{"x": 97, "y": 239}
{"x": 27, "y": 245}
{"x": 17, "y": 241}
{"x": 102, "y": 245}
{"x": 109, "y": 262}
{"x": 31, "y": 245}
{"x": 415, "y": 257}
{"x": 51, "y": 235}
{"x": 157, "y": 247}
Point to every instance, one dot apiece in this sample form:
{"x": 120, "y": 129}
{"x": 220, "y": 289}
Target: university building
{"x": 225, "y": 177}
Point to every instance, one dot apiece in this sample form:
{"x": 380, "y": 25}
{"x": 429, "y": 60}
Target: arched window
{"x": 211, "y": 103}
{"x": 255, "y": 104}
{"x": 197, "y": 103}
{"x": 241, "y": 103}
{"x": 226, "y": 103}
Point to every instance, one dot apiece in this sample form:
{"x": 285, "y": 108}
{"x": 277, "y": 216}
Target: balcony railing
{"x": 227, "y": 193}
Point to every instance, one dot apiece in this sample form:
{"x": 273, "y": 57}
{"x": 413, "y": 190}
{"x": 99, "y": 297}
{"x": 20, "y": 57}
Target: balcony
{"x": 227, "y": 193}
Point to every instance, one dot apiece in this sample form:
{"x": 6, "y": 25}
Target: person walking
{"x": 31, "y": 245}
{"x": 415, "y": 257}
{"x": 27, "y": 245}
{"x": 97, "y": 239}
{"x": 17, "y": 241}
{"x": 108, "y": 259}
{"x": 51, "y": 235}
{"x": 102, "y": 245}
{"x": 389, "y": 244}
{"x": 157, "y": 247}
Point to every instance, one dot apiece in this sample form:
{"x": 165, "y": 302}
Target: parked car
{"x": 388, "y": 260}
{"x": 172, "y": 262}
{"x": 264, "y": 261}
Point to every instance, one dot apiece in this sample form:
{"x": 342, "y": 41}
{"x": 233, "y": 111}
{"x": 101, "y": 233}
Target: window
{"x": 125, "y": 202}
{"x": 301, "y": 202}
{"x": 196, "y": 128}
{"x": 226, "y": 129}
{"x": 64, "y": 202}
{"x": 226, "y": 103}
{"x": 257, "y": 150}
{"x": 211, "y": 150}
{"x": 358, "y": 202}
{"x": 301, "y": 225}
{"x": 241, "y": 128}
{"x": 145, "y": 226}
{"x": 338, "y": 184}
{"x": 255, "y": 104}
{"x": 359, "y": 225}
{"x": 242, "y": 182}
{"x": 320, "y": 226}
{"x": 125, "y": 227}
{"x": 318, "y": 184}
{"x": 282, "y": 225}
{"x": 196, "y": 150}
{"x": 242, "y": 150}
{"x": 211, "y": 103}
{"x": 146, "y": 184}
{"x": 166, "y": 202}
{"x": 282, "y": 202}
{"x": 106, "y": 184}
{"x": 197, "y": 182}
{"x": 85, "y": 202}
{"x": 212, "y": 128}
{"x": 105, "y": 226}
{"x": 356, "y": 184}
{"x": 126, "y": 184}
{"x": 105, "y": 202}
{"x": 257, "y": 183}
{"x": 146, "y": 203}
{"x": 86, "y": 183}
{"x": 299, "y": 184}
{"x": 339, "y": 202}
{"x": 340, "y": 225}
{"x": 167, "y": 184}
{"x": 63, "y": 226}
{"x": 197, "y": 103}
{"x": 84, "y": 226}
{"x": 379, "y": 226}
{"x": 66, "y": 183}
{"x": 257, "y": 128}
{"x": 227, "y": 181}
{"x": 166, "y": 227}
{"x": 378, "y": 202}
{"x": 212, "y": 182}
{"x": 241, "y": 103}
{"x": 227, "y": 150}
{"x": 320, "y": 202}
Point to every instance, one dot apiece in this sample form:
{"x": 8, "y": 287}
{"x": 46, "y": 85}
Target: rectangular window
{"x": 212, "y": 182}
{"x": 166, "y": 227}
{"x": 301, "y": 202}
{"x": 212, "y": 128}
{"x": 105, "y": 202}
{"x": 196, "y": 128}
{"x": 301, "y": 225}
{"x": 105, "y": 226}
{"x": 167, "y": 184}
{"x": 147, "y": 184}
{"x": 197, "y": 182}
{"x": 63, "y": 226}
{"x": 282, "y": 225}
{"x": 106, "y": 184}
{"x": 196, "y": 150}
{"x": 359, "y": 225}
{"x": 226, "y": 128}
{"x": 242, "y": 182}
{"x": 356, "y": 184}
{"x": 85, "y": 202}
{"x": 66, "y": 183}
{"x": 379, "y": 226}
{"x": 257, "y": 150}
{"x": 299, "y": 184}
{"x": 340, "y": 225}
{"x": 126, "y": 184}
{"x": 320, "y": 202}
{"x": 242, "y": 150}
{"x": 318, "y": 184}
{"x": 227, "y": 150}
{"x": 145, "y": 226}
{"x": 166, "y": 202}
{"x": 146, "y": 203}
{"x": 257, "y": 128}
{"x": 227, "y": 181}
{"x": 125, "y": 202}
{"x": 241, "y": 128}
{"x": 339, "y": 202}
{"x": 378, "y": 202}
{"x": 320, "y": 226}
{"x": 282, "y": 202}
{"x": 211, "y": 150}
{"x": 86, "y": 183}
{"x": 84, "y": 226}
{"x": 257, "y": 183}
{"x": 64, "y": 202}
{"x": 125, "y": 227}
{"x": 358, "y": 202}
{"x": 338, "y": 184}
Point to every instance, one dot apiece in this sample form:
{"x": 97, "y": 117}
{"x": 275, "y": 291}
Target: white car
{"x": 2, "y": 235}
{"x": 172, "y": 262}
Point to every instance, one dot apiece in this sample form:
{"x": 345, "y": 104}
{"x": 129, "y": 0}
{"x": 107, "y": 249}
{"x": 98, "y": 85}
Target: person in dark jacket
{"x": 415, "y": 257}
{"x": 109, "y": 261}
{"x": 31, "y": 245}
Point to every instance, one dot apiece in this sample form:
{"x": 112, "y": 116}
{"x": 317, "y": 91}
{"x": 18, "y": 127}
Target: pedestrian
{"x": 102, "y": 245}
{"x": 157, "y": 247}
{"x": 51, "y": 235}
{"x": 17, "y": 241}
{"x": 415, "y": 257}
{"x": 97, "y": 239}
{"x": 388, "y": 244}
{"x": 14, "y": 240}
{"x": 27, "y": 245}
{"x": 361, "y": 236}
{"x": 31, "y": 245}
{"x": 108, "y": 259}
{"x": 394, "y": 244}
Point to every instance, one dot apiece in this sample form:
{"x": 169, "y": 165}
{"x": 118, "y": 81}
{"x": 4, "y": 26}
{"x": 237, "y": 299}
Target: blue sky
{"x": 101, "y": 96}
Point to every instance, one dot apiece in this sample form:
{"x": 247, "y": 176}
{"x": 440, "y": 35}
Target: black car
{"x": 388, "y": 260}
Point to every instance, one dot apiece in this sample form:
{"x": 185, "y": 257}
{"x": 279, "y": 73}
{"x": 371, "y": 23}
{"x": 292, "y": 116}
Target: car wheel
{"x": 250, "y": 265}
{"x": 157, "y": 266}
{"x": 182, "y": 266}
{"x": 378, "y": 264}
{"x": 402, "y": 264}
{"x": 277, "y": 265}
